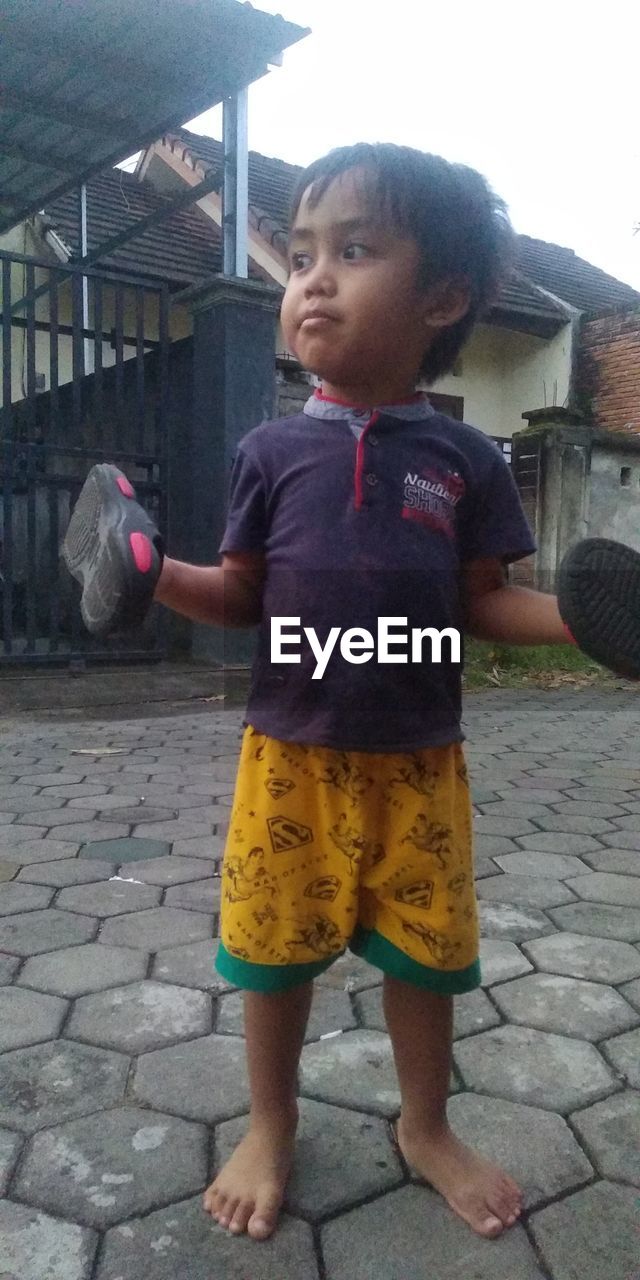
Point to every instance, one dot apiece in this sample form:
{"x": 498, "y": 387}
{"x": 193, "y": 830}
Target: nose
{"x": 320, "y": 279}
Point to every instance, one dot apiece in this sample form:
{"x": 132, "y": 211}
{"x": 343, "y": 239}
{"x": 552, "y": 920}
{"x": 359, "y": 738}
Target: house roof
{"x": 571, "y": 278}
{"x": 83, "y": 85}
{"x": 186, "y": 247}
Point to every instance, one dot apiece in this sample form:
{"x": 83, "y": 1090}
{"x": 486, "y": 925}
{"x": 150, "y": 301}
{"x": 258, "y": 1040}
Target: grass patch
{"x": 494, "y": 666}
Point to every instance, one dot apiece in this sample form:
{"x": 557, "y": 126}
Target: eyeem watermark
{"x": 393, "y": 643}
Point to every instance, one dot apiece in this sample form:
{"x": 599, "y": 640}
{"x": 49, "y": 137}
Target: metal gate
{"x": 84, "y": 359}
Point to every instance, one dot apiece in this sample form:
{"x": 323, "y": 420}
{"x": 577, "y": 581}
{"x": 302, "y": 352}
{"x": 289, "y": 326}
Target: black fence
{"x": 84, "y": 360}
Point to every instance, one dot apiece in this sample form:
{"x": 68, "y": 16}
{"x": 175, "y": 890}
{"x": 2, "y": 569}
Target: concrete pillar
{"x": 234, "y": 389}
{"x": 563, "y": 495}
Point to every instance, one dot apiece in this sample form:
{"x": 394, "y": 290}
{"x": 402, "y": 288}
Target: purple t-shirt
{"x": 362, "y": 516}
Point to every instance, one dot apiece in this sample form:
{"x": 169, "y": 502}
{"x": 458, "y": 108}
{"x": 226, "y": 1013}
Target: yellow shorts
{"x": 330, "y": 849}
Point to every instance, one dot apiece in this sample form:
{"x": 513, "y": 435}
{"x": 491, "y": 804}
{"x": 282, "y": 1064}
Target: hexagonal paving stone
{"x": 136, "y": 814}
{"x": 108, "y": 1166}
{"x": 616, "y": 840}
{"x": 610, "y": 1132}
{"x": 199, "y": 1079}
{"x": 66, "y": 872}
{"x": 559, "y": 842}
{"x": 341, "y": 1157}
{"x": 534, "y": 1067}
{"x": 10, "y": 1144}
{"x": 125, "y": 849}
{"x": 108, "y": 898}
{"x": 601, "y": 886}
{"x": 626, "y": 862}
{"x": 627, "y": 822}
{"x": 350, "y": 973}
{"x": 624, "y": 1053}
{"x": 483, "y": 867}
{"x": 511, "y": 923}
{"x": 36, "y": 931}
{"x": 501, "y": 960}
{"x": 53, "y": 816}
{"x": 23, "y": 897}
{"x": 27, "y": 852}
{"x": 529, "y": 863}
{"x": 34, "y": 1246}
{"x": 162, "y": 1244}
{"x": 512, "y": 827}
{"x": 209, "y": 847}
{"x": 491, "y": 846}
{"x": 574, "y": 824}
{"x": 513, "y": 808}
{"x": 192, "y": 965}
{"x": 27, "y": 1017}
{"x": 578, "y": 956}
{"x": 8, "y": 966}
{"x": 52, "y": 1082}
{"x": 525, "y": 891}
{"x": 591, "y": 1234}
{"x": 599, "y": 920}
{"x": 631, "y": 993}
{"x": 169, "y": 870}
{"x": 413, "y": 1234}
{"x": 330, "y": 1012}
{"x": 198, "y": 895}
{"x": 103, "y": 804}
{"x": 352, "y": 1070}
{"x": 141, "y": 1016}
{"x": 568, "y": 1006}
{"x": 536, "y": 1147}
{"x": 78, "y": 971}
{"x": 155, "y": 929}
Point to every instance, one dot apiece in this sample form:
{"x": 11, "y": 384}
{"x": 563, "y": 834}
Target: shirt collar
{"x": 413, "y": 410}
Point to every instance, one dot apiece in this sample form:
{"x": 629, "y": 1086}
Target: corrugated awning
{"x": 86, "y": 83}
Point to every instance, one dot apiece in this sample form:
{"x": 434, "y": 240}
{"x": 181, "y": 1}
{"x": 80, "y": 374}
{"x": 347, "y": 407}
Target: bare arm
{"x": 228, "y": 594}
{"x": 508, "y": 615}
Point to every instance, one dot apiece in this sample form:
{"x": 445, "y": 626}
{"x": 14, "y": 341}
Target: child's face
{"x": 353, "y": 312}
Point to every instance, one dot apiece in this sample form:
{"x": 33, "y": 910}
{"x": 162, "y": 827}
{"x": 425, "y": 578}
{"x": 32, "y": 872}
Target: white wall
{"x": 504, "y": 374}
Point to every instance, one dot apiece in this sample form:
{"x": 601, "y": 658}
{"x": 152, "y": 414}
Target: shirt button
{"x": 372, "y": 439}
{"x": 371, "y": 479}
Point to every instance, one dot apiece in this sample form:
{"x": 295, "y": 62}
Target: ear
{"x": 446, "y": 302}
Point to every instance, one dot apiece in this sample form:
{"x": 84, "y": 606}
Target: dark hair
{"x": 461, "y": 226}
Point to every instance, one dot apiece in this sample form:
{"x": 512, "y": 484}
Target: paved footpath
{"x": 122, "y": 1079}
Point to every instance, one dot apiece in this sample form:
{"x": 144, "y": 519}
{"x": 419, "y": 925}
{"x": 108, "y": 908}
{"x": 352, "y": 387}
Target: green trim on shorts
{"x": 372, "y": 946}
{"x": 268, "y": 977}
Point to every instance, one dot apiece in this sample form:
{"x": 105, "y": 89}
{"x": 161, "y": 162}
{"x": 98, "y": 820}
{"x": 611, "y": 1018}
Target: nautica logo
{"x": 434, "y": 487}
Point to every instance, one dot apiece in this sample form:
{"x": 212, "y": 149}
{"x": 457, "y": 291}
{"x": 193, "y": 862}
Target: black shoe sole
{"x": 599, "y": 600}
{"x": 114, "y": 550}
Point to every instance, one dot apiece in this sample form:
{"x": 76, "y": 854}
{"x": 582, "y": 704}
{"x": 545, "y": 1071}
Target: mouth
{"x": 316, "y": 320}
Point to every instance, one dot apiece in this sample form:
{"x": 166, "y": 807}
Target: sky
{"x": 543, "y": 98}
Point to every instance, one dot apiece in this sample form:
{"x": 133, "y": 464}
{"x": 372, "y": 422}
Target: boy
{"x": 351, "y": 823}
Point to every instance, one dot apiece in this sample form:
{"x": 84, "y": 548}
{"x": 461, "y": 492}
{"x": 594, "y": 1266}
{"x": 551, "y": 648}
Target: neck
{"x": 368, "y": 395}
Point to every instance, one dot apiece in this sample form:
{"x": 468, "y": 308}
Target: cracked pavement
{"x": 122, "y": 1078}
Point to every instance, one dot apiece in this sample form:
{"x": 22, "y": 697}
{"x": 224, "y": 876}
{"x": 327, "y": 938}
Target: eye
{"x": 354, "y": 252}
{"x": 299, "y": 261}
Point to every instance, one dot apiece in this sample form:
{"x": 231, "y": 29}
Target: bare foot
{"x": 248, "y": 1192}
{"x": 479, "y": 1192}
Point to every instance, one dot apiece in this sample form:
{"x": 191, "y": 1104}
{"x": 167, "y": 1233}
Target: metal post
{"x": 235, "y": 190}
{"x": 84, "y": 249}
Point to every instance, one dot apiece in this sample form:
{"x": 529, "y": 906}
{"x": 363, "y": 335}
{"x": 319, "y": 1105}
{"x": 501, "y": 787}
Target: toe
{"x": 490, "y": 1226}
{"x": 230, "y": 1207}
{"x": 210, "y": 1200}
{"x": 220, "y": 1208}
{"x": 240, "y": 1219}
{"x": 262, "y": 1222}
